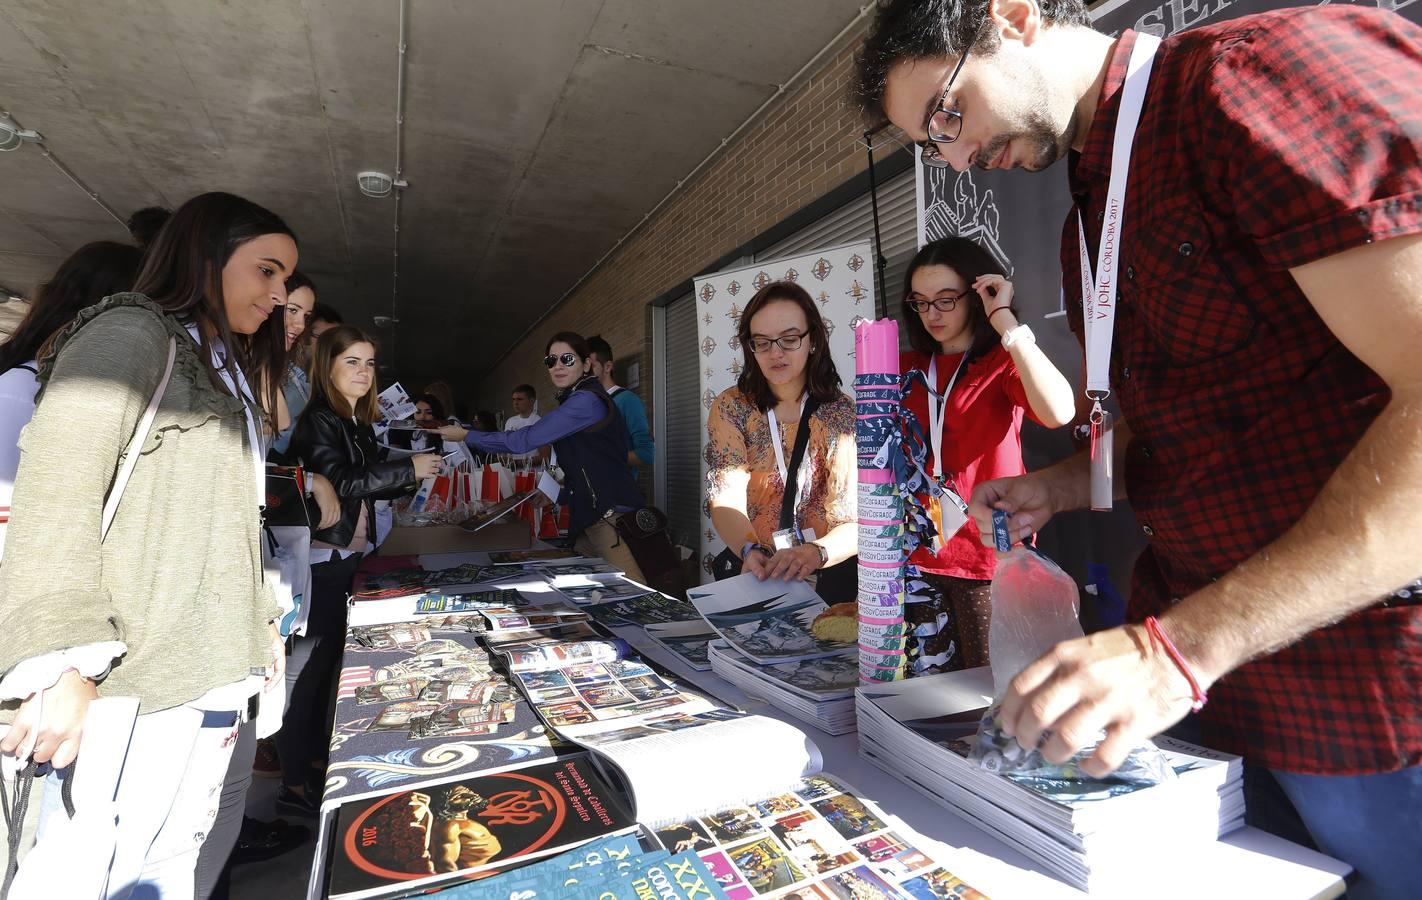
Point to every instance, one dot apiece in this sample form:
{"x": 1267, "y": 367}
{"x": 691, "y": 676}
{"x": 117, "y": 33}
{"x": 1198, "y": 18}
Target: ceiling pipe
{"x": 68, "y": 172}
{"x": 399, "y": 181}
{"x": 780, "y": 91}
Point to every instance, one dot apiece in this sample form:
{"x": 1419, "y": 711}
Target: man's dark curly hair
{"x": 933, "y": 29}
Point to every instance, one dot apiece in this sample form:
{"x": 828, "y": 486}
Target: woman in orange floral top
{"x": 787, "y": 363}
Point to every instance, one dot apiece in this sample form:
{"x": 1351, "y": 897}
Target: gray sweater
{"x": 180, "y": 576}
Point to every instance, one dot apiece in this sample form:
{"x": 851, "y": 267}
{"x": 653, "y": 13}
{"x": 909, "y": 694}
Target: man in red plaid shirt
{"x": 1268, "y": 270}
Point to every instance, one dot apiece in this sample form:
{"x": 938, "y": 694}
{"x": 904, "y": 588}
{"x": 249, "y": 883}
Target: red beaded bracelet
{"x": 1158, "y": 638}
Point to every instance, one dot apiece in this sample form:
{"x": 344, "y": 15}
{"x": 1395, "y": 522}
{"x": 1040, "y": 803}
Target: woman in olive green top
{"x": 171, "y": 607}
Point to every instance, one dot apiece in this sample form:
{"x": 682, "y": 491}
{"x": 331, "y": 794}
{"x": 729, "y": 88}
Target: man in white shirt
{"x": 525, "y": 403}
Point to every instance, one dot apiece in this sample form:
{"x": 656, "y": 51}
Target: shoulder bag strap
{"x": 140, "y": 434}
{"x": 792, "y": 468}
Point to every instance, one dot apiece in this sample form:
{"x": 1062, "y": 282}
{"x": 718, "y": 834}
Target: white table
{"x": 1247, "y": 863}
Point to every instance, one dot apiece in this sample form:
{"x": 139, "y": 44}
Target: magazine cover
{"x": 576, "y": 572}
{"x": 523, "y": 557}
{"x": 818, "y": 679}
{"x": 492, "y": 513}
{"x": 468, "y": 601}
{"x": 769, "y": 621}
{"x": 687, "y": 641}
{"x": 477, "y": 823}
{"x": 650, "y": 608}
{"x": 603, "y": 591}
{"x": 403, "y": 582}
{"x": 556, "y": 877}
{"x": 818, "y": 839}
{"x": 948, "y": 709}
{"x": 420, "y": 702}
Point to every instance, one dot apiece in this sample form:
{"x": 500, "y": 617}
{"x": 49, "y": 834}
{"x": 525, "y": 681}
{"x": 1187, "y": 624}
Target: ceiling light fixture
{"x": 12, "y": 136}
{"x": 378, "y": 184}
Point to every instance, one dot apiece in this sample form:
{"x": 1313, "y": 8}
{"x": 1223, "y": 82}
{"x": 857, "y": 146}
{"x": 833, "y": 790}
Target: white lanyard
{"x": 243, "y": 392}
{"x": 937, "y": 407}
{"x": 776, "y": 443}
{"x": 1098, "y": 293}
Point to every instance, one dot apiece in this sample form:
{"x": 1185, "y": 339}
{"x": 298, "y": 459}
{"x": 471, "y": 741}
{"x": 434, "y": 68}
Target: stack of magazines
{"x": 1093, "y": 834}
{"x": 819, "y": 691}
{"x": 774, "y": 645}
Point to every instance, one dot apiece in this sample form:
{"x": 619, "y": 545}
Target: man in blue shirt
{"x": 634, "y": 413}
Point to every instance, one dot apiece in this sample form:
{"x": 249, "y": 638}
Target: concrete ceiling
{"x": 536, "y": 134}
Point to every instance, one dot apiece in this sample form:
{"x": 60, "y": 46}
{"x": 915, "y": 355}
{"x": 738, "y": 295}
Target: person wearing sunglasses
{"x": 788, "y": 385}
{"x": 587, "y": 434}
{"x": 972, "y": 373}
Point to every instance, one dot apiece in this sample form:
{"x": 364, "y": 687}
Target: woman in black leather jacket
{"x": 334, "y": 438}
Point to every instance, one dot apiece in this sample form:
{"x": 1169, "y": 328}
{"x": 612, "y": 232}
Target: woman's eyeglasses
{"x": 788, "y": 343}
{"x": 567, "y": 359}
{"x": 942, "y": 304}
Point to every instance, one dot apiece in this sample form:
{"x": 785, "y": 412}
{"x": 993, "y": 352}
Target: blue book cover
{"x": 553, "y": 878}
{"x": 680, "y": 877}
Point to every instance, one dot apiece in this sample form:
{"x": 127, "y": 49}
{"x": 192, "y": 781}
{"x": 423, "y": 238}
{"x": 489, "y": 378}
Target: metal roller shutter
{"x": 854, "y": 221}
{"x": 679, "y": 425}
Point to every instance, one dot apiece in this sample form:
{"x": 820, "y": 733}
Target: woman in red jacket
{"x": 983, "y": 371}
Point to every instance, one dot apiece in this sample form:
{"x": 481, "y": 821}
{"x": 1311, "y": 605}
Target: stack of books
{"x": 1093, "y": 834}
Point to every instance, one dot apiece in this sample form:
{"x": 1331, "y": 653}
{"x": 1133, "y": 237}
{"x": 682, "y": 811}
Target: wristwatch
{"x": 1017, "y": 334}
{"x": 824, "y": 554}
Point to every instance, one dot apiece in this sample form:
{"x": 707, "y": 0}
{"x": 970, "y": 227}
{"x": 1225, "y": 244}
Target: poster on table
{"x": 841, "y": 281}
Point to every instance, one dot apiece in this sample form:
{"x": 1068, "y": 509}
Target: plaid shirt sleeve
{"x": 1317, "y": 171}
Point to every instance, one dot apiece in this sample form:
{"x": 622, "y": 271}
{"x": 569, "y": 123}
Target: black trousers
{"x": 306, "y": 727}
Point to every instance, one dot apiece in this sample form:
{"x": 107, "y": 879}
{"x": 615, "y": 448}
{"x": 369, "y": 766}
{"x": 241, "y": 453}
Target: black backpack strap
{"x": 792, "y": 469}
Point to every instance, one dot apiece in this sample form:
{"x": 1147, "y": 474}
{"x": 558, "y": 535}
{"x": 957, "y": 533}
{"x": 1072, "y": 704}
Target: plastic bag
{"x": 1034, "y": 607}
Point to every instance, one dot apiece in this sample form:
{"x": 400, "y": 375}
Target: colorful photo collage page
{"x": 630, "y": 865}
{"x": 816, "y": 841}
{"x": 600, "y": 689}
{"x": 423, "y": 699}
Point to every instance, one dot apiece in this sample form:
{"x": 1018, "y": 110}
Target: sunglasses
{"x": 566, "y": 359}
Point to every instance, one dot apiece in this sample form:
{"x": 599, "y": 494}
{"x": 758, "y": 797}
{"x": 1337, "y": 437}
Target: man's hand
{"x": 326, "y": 500}
{"x": 56, "y": 722}
{"x": 1026, "y": 499}
{"x": 1112, "y": 680}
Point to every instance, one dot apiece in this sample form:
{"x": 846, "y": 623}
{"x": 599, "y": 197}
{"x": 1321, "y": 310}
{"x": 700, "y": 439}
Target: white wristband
{"x": 1017, "y": 334}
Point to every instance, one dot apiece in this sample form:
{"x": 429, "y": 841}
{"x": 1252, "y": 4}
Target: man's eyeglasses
{"x": 567, "y": 359}
{"x": 944, "y": 124}
{"x": 788, "y": 343}
{"x": 942, "y": 304}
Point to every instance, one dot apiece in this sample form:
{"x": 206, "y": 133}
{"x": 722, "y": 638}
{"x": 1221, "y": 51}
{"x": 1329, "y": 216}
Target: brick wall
{"x": 804, "y": 146}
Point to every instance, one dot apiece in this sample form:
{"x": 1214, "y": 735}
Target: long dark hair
{"x": 970, "y": 261}
{"x": 182, "y": 273}
{"x": 90, "y": 274}
{"x": 822, "y": 379}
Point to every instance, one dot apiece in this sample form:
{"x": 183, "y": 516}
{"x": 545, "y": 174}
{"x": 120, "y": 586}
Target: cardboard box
{"x": 430, "y": 539}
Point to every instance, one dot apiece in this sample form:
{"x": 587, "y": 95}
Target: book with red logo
{"x": 446, "y": 833}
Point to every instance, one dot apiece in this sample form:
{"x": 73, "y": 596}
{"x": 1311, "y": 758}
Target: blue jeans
{"x": 1371, "y": 822}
